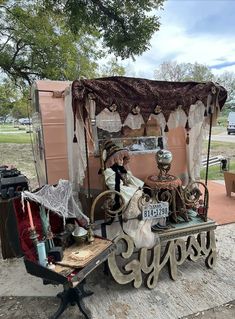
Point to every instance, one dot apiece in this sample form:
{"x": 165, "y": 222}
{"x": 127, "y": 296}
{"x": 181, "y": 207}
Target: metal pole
{"x": 206, "y": 195}
{"x": 87, "y": 161}
{"x": 208, "y": 150}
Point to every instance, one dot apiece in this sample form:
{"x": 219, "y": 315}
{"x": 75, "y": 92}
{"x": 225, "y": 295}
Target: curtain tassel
{"x": 75, "y": 140}
{"x": 187, "y": 128}
{"x": 187, "y": 138}
{"x": 166, "y": 129}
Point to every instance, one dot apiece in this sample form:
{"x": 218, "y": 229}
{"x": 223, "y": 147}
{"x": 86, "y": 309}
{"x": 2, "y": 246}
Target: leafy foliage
{"x": 64, "y": 39}
{"x": 37, "y": 44}
{"x": 227, "y": 79}
{"x": 111, "y": 69}
{"x": 173, "y": 71}
{"x": 125, "y": 27}
{"x": 6, "y": 101}
{"x": 13, "y": 101}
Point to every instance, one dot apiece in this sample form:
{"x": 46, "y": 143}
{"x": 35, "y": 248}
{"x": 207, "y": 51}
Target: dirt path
{"x": 43, "y": 307}
{"x": 226, "y": 311}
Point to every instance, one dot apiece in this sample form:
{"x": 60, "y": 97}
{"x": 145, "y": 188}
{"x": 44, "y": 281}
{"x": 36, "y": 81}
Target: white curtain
{"x": 76, "y": 151}
{"x": 197, "y": 124}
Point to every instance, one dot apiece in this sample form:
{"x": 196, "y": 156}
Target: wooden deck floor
{"x": 221, "y": 207}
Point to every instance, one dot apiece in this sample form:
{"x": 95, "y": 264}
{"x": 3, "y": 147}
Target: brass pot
{"x": 79, "y": 235}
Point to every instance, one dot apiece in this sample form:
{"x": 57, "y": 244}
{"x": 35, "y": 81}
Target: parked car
{"x": 231, "y": 123}
{"x": 25, "y": 121}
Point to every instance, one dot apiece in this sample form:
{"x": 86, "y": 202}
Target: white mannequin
{"x": 109, "y": 119}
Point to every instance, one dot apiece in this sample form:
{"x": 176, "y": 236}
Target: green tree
{"x": 64, "y": 40}
{"x": 227, "y": 79}
{"x": 36, "y": 44}
{"x": 22, "y": 106}
{"x": 124, "y": 27}
{"x": 8, "y": 98}
{"x": 173, "y": 71}
{"x": 14, "y": 100}
{"x": 199, "y": 73}
{"x": 111, "y": 68}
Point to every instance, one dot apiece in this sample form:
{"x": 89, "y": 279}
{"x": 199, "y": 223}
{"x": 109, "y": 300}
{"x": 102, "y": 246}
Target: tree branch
{"x": 18, "y": 48}
{"x": 109, "y": 13}
{"x": 4, "y": 44}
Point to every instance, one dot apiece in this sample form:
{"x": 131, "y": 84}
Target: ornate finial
{"x": 90, "y": 234}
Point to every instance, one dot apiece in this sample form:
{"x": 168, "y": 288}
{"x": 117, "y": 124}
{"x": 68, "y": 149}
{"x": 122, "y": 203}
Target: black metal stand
{"x": 72, "y": 296}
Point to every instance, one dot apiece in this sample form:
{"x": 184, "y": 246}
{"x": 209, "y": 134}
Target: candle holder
{"x": 33, "y": 236}
{"x": 41, "y": 252}
{"x": 90, "y": 234}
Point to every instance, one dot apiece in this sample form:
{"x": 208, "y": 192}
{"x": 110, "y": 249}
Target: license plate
{"x": 157, "y": 210}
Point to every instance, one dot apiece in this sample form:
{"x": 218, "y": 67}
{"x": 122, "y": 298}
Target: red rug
{"x": 221, "y": 206}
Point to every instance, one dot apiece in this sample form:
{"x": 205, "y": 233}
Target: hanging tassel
{"x": 187, "y": 126}
{"x": 210, "y": 110}
{"x": 166, "y": 129}
{"x": 187, "y": 138}
{"x": 205, "y": 113}
{"x": 75, "y": 140}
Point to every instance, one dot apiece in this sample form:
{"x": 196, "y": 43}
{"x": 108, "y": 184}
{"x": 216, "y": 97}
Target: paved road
{"x": 223, "y": 137}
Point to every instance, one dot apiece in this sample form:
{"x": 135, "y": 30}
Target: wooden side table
{"x": 72, "y": 278}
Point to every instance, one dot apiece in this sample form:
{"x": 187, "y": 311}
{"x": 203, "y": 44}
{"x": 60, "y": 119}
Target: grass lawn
{"x": 225, "y": 149}
{"x": 218, "y": 129}
{"x": 15, "y": 135}
{"x": 214, "y": 171}
{"x": 12, "y": 128}
{"x": 18, "y": 138}
{"x": 219, "y": 148}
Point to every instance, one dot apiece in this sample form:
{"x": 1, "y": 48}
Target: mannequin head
{"x": 135, "y": 110}
{"x": 112, "y": 107}
{"x": 157, "y": 109}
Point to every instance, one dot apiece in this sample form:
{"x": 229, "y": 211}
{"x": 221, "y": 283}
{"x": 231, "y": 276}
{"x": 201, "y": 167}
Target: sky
{"x": 191, "y": 31}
